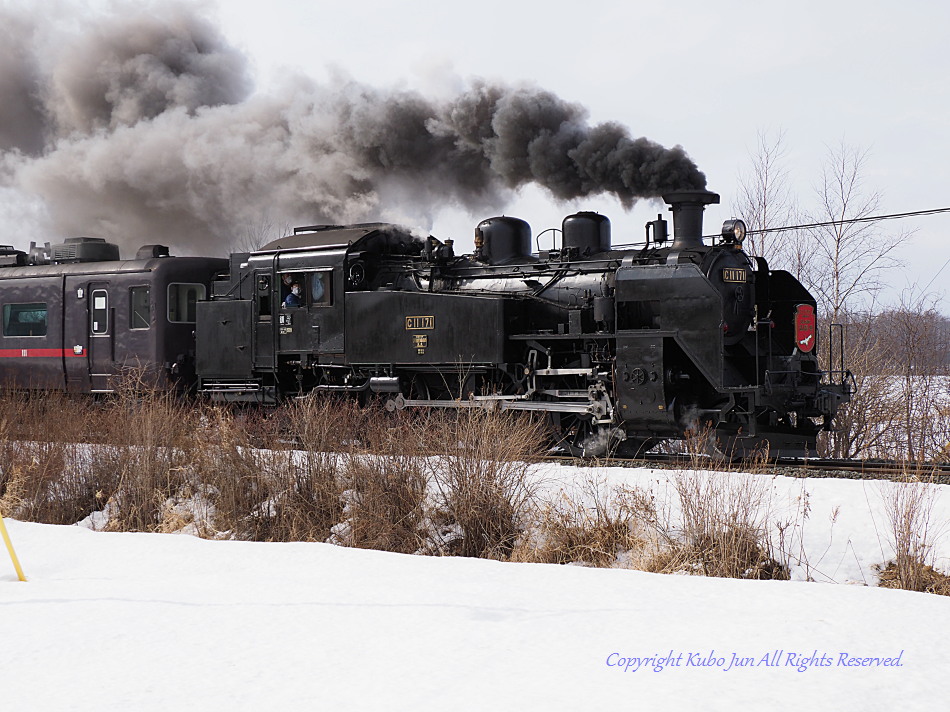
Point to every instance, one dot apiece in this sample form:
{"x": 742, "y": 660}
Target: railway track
{"x": 937, "y": 473}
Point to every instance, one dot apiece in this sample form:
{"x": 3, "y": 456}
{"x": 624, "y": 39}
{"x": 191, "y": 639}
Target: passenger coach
{"x": 76, "y": 317}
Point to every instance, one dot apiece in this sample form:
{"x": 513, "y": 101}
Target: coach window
{"x": 321, "y": 291}
{"x": 140, "y": 310}
{"x": 182, "y": 302}
{"x": 24, "y": 319}
{"x": 100, "y": 311}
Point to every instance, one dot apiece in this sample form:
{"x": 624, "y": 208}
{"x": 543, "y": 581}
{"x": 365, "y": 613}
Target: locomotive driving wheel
{"x": 582, "y": 437}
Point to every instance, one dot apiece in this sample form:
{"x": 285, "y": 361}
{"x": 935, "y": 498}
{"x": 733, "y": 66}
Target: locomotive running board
{"x": 500, "y": 402}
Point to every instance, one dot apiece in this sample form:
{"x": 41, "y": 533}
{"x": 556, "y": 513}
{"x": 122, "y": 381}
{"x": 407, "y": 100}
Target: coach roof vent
{"x": 11, "y": 257}
{"x": 84, "y": 249}
{"x": 147, "y": 252}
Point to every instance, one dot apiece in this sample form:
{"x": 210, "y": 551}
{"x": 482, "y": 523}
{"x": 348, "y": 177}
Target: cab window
{"x": 321, "y": 292}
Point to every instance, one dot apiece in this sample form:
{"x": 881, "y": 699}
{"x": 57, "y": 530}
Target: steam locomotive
{"x": 619, "y": 348}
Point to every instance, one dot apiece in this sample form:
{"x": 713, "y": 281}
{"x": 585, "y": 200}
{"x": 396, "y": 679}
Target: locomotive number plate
{"x": 414, "y": 323}
{"x": 285, "y": 321}
{"x": 734, "y": 274}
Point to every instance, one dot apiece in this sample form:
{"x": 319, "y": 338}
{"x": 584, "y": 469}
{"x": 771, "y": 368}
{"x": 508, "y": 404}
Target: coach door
{"x": 76, "y": 332}
{"x": 101, "y": 338}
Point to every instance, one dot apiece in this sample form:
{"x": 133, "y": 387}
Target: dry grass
{"x": 722, "y": 529}
{"x": 479, "y": 468}
{"x": 449, "y": 483}
{"x": 911, "y": 532}
{"x": 385, "y": 503}
{"x": 914, "y": 576}
{"x": 273, "y": 494}
{"x": 43, "y": 477}
{"x": 453, "y": 483}
{"x": 599, "y": 526}
{"x": 712, "y": 525}
{"x": 146, "y": 454}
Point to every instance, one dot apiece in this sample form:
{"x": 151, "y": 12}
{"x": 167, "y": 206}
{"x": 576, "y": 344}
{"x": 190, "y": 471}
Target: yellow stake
{"x": 6, "y": 540}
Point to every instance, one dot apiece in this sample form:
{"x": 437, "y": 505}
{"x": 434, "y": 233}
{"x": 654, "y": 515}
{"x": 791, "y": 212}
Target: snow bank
{"x": 158, "y": 622}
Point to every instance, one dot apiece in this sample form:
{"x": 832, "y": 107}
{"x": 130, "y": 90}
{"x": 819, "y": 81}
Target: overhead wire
{"x": 870, "y": 218}
{"x": 848, "y": 221}
{"x": 829, "y": 223}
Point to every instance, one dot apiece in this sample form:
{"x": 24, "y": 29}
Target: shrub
{"x": 722, "y": 530}
{"x": 909, "y": 510}
{"x": 480, "y": 474}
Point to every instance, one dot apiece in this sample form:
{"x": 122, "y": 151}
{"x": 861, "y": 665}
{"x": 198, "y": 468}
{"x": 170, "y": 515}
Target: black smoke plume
{"x": 141, "y": 126}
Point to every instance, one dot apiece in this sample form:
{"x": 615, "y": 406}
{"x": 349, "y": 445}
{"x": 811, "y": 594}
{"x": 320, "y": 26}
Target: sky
{"x": 131, "y": 621}
{"x": 706, "y": 77}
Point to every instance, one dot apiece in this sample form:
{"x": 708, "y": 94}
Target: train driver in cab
{"x": 295, "y": 298}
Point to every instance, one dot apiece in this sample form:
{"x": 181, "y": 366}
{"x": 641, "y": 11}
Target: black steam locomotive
{"x": 620, "y": 348}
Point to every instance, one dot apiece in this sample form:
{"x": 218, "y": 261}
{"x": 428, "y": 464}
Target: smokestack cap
{"x": 696, "y": 197}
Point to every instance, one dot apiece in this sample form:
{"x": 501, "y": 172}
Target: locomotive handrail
{"x": 833, "y": 329}
{"x": 553, "y": 231}
{"x": 230, "y": 292}
{"x": 557, "y": 277}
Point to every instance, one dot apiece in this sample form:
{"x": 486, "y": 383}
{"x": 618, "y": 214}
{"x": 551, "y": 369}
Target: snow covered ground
{"x": 164, "y": 622}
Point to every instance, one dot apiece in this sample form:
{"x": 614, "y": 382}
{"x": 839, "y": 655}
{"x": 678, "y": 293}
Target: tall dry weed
{"x": 595, "y": 525}
{"x": 146, "y": 449}
{"x": 479, "y": 469}
{"x": 722, "y": 529}
{"x": 44, "y": 474}
{"x": 278, "y": 493}
{"x": 912, "y": 533}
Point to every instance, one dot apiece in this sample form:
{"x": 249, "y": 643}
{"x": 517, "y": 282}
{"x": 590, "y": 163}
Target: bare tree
{"x": 896, "y": 411}
{"x": 769, "y": 207}
{"x": 900, "y": 409}
{"x": 765, "y": 199}
{"x": 864, "y": 428}
{"x": 914, "y": 337}
{"x": 256, "y": 235}
{"x": 851, "y": 258}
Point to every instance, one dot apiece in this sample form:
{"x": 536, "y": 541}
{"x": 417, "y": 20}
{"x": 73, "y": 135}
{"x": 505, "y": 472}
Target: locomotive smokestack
{"x": 687, "y": 207}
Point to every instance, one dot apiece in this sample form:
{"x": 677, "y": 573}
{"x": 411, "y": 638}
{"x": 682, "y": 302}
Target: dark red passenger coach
{"x": 76, "y": 318}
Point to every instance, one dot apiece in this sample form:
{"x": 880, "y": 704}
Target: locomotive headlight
{"x": 733, "y": 231}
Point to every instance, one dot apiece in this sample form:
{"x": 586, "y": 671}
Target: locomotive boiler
{"x": 620, "y": 348}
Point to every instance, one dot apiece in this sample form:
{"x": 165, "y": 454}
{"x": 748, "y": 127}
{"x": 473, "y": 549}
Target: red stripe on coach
{"x": 40, "y": 353}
